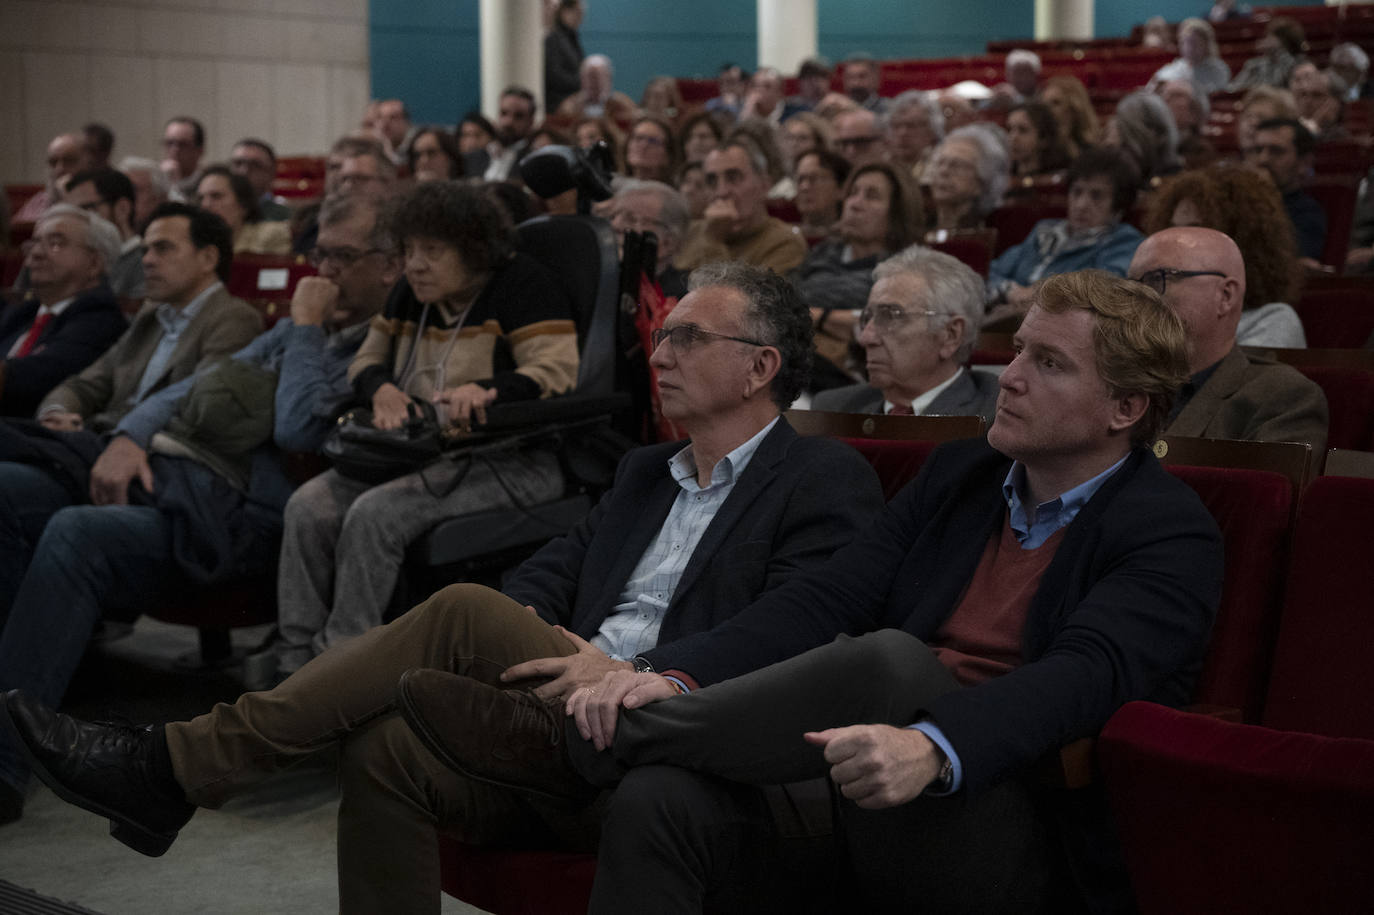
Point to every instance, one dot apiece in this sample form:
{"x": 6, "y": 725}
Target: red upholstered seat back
{"x": 1322, "y": 678}
{"x": 896, "y": 462}
{"x": 1252, "y": 508}
{"x": 1221, "y": 817}
{"x": 517, "y": 882}
{"x": 1338, "y": 314}
{"x": 1350, "y": 398}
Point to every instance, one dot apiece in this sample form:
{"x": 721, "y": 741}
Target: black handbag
{"x": 363, "y": 452}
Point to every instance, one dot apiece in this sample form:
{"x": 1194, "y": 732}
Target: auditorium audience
{"x": 731, "y": 84}
{"x": 67, "y": 155}
{"x": 765, "y": 99}
{"x": 1143, "y": 128}
{"x": 183, "y": 146}
{"x": 230, "y": 197}
{"x": 803, "y": 132}
{"x": 256, "y": 160}
{"x": 860, "y": 137}
{"x": 1073, "y": 112}
{"x": 820, "y": 175}
{"x": 1022, "y": 81}
{"x": 70, "y": 316}
{"x": 917, "y": 329}
{"x": 861, "y": 79}
{"x": 110, "y": 195}
{"x": 1319, "y": 103}
{"x": 597, "y": 96}
{"x": 968, "y": 175}
{"x": 1102, "y": 187}
{"x": 881, "y": 214}
{"x": 915, "y": 125}
{"x": 813, "y": 82}
{"x": 514, "y": 127}
{"x": 663, "y": 98}
{"x": 1229, "y": 393}
{"x": 736, "y": 224}
{"x": 700, "y": 134}
{"x": 1198, "y": 61}
{"x": 434, "y": 156}
{"x": 1261, "y": 103}
{"x": 475, "y": 133}
{"x": 1283, "y": 148}
{"x": 391, "y": 124}
{"x": 1350, "y": 63}
{"x": 1036, "y": 146}
{"x": 1246, "y": 207}
{"x": 651, "y": 150}
{"x": 765, "y": 137}
{"x": 1280, "y": 49}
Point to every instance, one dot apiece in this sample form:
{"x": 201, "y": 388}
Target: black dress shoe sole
{"x": 132, "y": 833}
{"x": 420, "y": 727}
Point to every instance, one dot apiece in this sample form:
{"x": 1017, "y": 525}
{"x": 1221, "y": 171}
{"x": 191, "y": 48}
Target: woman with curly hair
{"x": 474, "y": 323}
{"x": 1247, "y": 207}
{"x": 1073, "y": 111}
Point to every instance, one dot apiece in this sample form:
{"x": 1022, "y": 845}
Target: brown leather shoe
{"x": 505, "y": 737}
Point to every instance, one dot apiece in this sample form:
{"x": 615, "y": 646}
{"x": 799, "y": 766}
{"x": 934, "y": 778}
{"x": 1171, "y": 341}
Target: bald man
{"x": 1230, "y": 393}
{"x": 67, "y": 154}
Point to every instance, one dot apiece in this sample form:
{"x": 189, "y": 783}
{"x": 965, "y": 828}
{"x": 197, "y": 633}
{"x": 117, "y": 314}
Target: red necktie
{"x": 35, "y": 332}
{"x": 901, "y": 409}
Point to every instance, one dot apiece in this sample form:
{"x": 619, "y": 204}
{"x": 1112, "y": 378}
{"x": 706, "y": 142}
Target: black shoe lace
{"x": 123, "y": 735}
{"x": 533, "y": 714}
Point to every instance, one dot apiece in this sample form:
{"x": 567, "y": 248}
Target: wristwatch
{"x": 642, "y": 665}
{"x": 944, "y": 782}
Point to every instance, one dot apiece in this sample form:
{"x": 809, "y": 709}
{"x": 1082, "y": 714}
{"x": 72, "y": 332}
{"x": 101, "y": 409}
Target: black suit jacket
{"x": 71, "y": 341}
{"x": 1123, "y": 612}
{"x": 973, "y": 393}
{"x": 797, "y": 502}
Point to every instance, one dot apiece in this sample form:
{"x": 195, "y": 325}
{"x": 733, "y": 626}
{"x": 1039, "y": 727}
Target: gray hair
{"x": 775, "y": 315}
{"x": 1353, "y": 54}
{"x": 1202, "y": 105}
{"x": 101, "y": 235}
{"x": 919, "y": 98}
{"x": 156, "y": 177}
{"x": 994, "y": 161}
{"x": 954, "y": 288}
{"x": 675, "y": 214}
{"x": 1147, "y": 132}
{"x": 757, "y": 159}
{"x": 343, "y": 207}
{"x": 1022, "y": 56}
{"x": 598, "y": 60}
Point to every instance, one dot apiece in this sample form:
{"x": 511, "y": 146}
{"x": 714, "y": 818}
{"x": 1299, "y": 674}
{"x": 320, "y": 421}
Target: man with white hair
{"x": 918, "y": 330}
{"x": 151, "y": 187}
{"x": 1023, "y": 79}
{"x": 915, "y": 125}
{"x": 597, "y": 98}
{"x": 652, "y": 206}
{"x": 74, "y": 316}
{"x": 1349, "y": 62}
{"x": 861, "y": 137}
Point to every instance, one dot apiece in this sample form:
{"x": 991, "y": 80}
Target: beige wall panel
{"x": 255, "y": 38}
{"x": 246, "y": 101}
{"x": 113, "y": 28}
{"x": 122, "y": 96}
{"x": 302, "y": 108}
{"x": 16, "y": 137}
{"x": 43, "y": 25}
{"x": 187, "y": 87}
{"x": 186, "y": 33}
{"x": 348, "y": 96}
{"x": 55, "y": 100}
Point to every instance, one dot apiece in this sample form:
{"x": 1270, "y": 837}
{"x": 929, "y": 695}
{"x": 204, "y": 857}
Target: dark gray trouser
{"x": 344, "y": 541}
{"x": 664, "y": 854}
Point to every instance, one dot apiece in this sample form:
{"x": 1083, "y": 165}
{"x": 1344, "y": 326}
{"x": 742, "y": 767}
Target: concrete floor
{"x": 269, "y": 851}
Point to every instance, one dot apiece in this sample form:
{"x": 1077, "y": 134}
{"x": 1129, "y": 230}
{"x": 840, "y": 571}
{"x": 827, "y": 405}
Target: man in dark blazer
{"x": 1230, "y": 393}
{"x": 686, "y": 536}
{"x": 918, "y": 330}
{"x": 1014, "y": 596}
{"x": 72, "y": 317}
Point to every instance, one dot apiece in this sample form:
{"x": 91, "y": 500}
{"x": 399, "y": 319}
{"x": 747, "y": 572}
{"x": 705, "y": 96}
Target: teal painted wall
{"x": 426, "y": 51}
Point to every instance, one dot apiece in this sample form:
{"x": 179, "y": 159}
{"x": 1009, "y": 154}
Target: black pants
{"x": 689, "y": 820}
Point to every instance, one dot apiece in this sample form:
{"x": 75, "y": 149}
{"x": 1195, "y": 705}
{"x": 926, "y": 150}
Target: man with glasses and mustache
{"x": 91, "y": 558}
{"x": 1230, "y": 393}
{"x": 918, "y": 330}
{"x": 689, "y": 533}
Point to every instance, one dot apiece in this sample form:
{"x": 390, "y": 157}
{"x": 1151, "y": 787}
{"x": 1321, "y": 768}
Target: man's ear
{"x": 1127, "y": 411}
{"x": 763, "y": 368}
{"x": 952, "y": 337}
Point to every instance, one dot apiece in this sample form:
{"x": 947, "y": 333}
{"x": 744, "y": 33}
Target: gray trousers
{"x": 344, "y": 541}
{"x": 683, "y": 822}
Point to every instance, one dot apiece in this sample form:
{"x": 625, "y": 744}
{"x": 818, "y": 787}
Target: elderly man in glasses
{"x": 861, "y": 137}
{"x": 114, "y": 555}
{"x": 689, "y": 534}
{"x": 918, "y": 330}
{"x": 1229, "y": 393}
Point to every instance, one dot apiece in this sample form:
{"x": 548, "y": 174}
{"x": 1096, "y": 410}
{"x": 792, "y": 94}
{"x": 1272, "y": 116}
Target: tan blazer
{"x": 1253, "y": 398}
{"x": 102, "y": 393}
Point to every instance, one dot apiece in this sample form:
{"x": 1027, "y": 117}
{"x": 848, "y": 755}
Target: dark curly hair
{"x": 462, "y": 215}
{"x": 1112, "y": 164}
{"x": 1246, "y": 206}
{"x": 776, "y": 315}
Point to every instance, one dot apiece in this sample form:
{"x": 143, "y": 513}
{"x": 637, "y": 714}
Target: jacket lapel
{"x": 1194, "y": 417}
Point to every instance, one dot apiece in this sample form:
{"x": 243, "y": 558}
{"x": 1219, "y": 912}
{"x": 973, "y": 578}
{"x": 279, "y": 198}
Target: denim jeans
{"x": 28, "y": 497}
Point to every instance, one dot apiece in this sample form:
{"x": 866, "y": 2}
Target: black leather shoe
{"x": 11, "y": 803}
{"x": 107, "y": 769}
{"x": 505, "y": 737}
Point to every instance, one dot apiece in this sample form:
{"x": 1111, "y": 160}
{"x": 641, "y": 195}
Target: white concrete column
{"x": 787, "y": 33}
{"x": 1063, "y": 19}
{"x": 512, "y": 34}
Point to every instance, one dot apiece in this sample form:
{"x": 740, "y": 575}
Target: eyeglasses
{"x": 884, "y": 317}
{"x": 51, "y": 243}
{"x": 686, "y": 337}
{"x": 1158, "y": 279}
{"x": 857, "y": 142}
{"x": 647, "y": 138}
{"x": 343, "y": 257}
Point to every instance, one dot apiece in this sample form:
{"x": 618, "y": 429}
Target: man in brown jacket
{"x": 189, "y": 318}
{"x": 1230, "y": 393}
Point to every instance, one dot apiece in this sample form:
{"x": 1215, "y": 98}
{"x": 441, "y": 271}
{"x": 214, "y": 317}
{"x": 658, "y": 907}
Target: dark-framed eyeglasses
{"x": 1158, "y": 279}
{"x": 342, "y": 257}
{"x": 686, "y": 337}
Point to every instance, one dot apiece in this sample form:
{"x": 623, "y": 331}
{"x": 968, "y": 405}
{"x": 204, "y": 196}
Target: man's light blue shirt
{"x": 1049, "y": 517}
{"x": 174, "y": 322}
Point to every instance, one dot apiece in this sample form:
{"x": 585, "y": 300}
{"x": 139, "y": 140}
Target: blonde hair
{"x": 1139, "y": 343}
